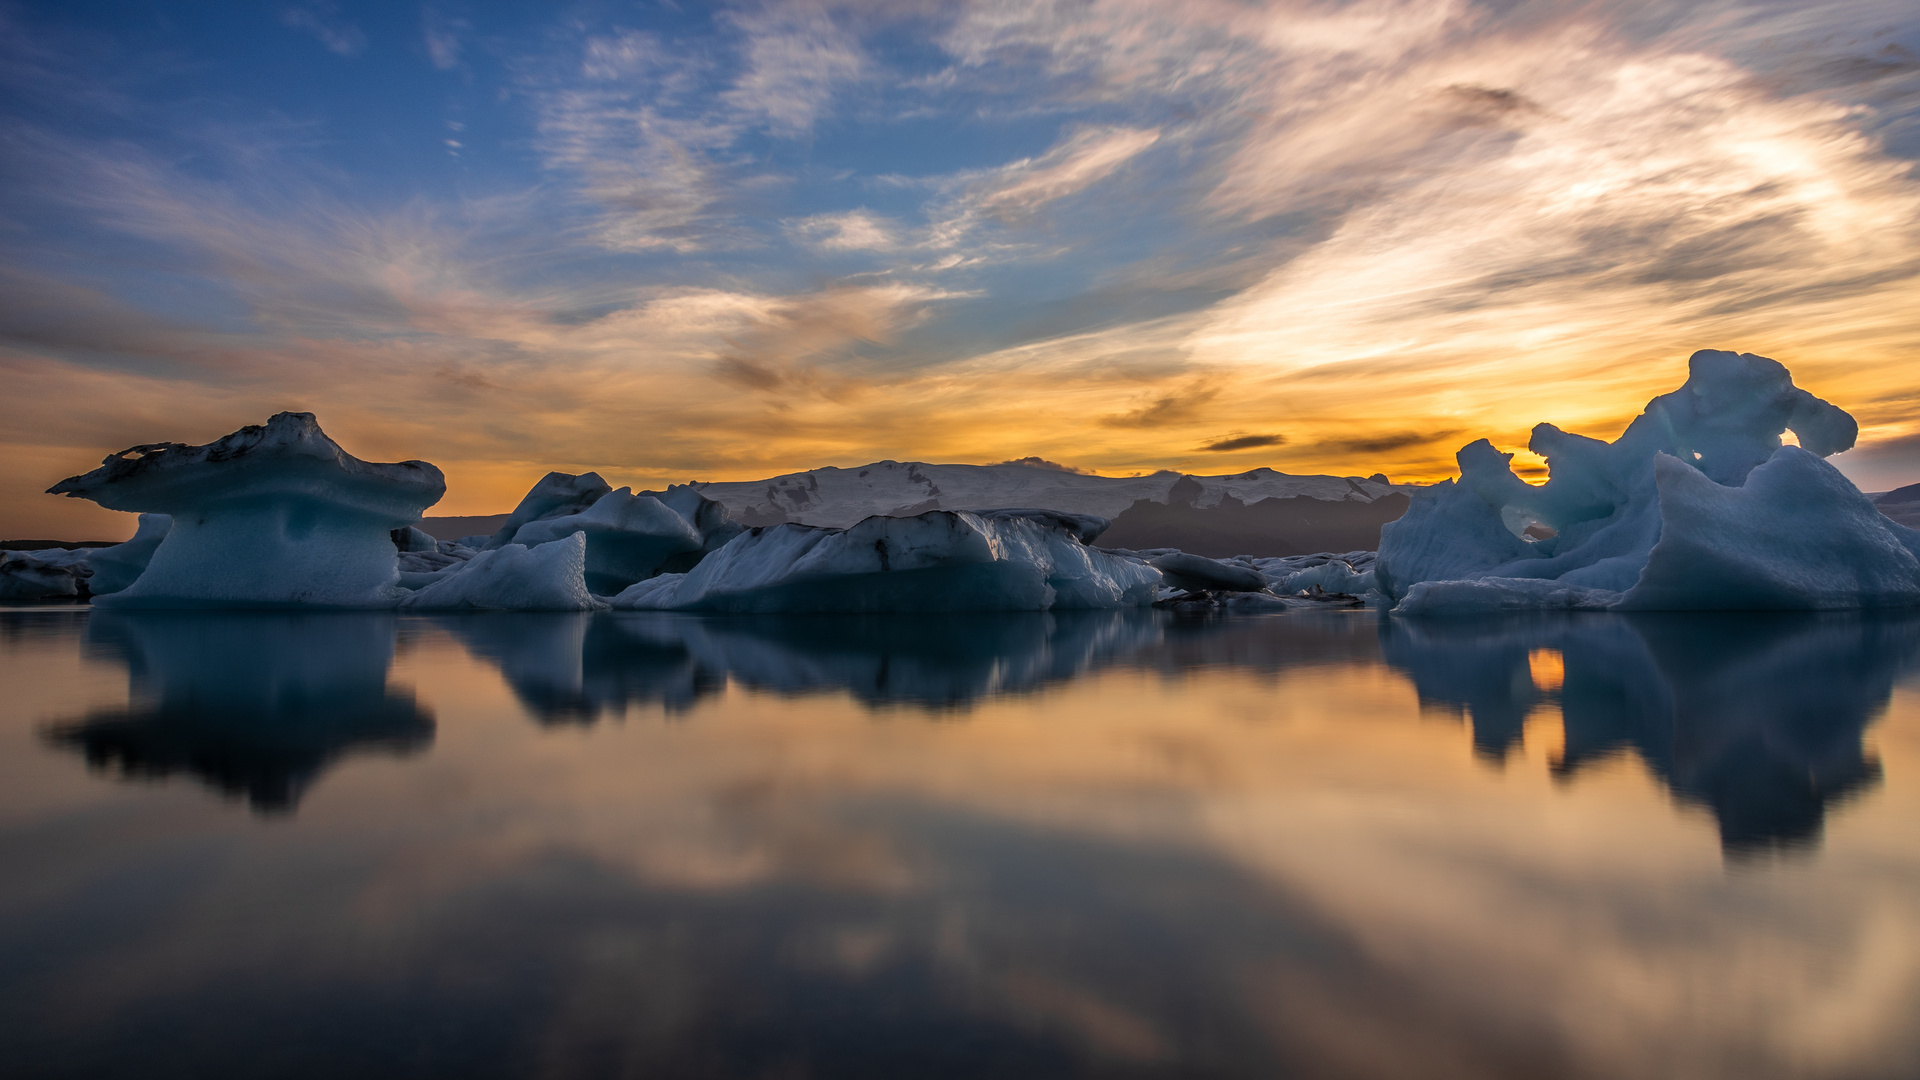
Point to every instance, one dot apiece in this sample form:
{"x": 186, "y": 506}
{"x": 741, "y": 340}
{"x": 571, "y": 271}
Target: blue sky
{"x": 723, "y": 241}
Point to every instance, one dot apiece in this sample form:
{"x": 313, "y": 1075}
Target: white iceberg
{"x": 628, "y": 538}
{"x": 557, "y": 494}
{"x": 274, "y": 514}
{"x": 941, "y": 560}
{"x": 1796, "y": 535}
{"x": 549, "y": 577}
{"x": 1697, "y": 506}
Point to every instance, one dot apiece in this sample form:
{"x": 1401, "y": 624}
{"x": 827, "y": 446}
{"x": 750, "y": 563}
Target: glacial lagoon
{"x": 1133, "y": 843}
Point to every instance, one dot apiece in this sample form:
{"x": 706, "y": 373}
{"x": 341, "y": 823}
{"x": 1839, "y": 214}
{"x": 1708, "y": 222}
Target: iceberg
{"x": 271, "y": 515}
{"x": 548, "y": 577}
{"x": 114, "y": 568}
{"x": 23, "y": 577}
{"x": 630, "y": 537}
{"x": 1797, "y": 535}
{"x": 557, "y": 494}
{"x": 941, "y": 560}
{"x": 1697, "y": 506}
{"x": 1197, "y": 573}
{"x": 413, "y": 540}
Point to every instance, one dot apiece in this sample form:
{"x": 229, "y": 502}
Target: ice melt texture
{"x": 941, "y": 560}
{"x": 1697, "y": 506}
{"x": 273, "y": 514}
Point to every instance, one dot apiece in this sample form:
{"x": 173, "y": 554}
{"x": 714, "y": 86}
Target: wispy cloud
{"x": 1081, "y": 160}
{"x": 652, "y": 140}
{"x": 851, "y": 230}
{"x": 444, "y": 36}
{"x": 1243, "y": 442}
{"x": 323, "y": 20}
{"x": 809, "y": 342}
{"x": 1130, "y": 235}
{"x": 1167, "y": 408}
{"x": 796, "y": 58}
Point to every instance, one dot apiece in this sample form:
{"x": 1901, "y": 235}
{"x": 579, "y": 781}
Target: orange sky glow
{"x": 1368, "y": 233}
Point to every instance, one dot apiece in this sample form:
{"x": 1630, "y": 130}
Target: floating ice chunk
{"x": 550, "y": 577}
{"x": 75, "y": 557}
{"x": 1596, "y": 524}
{"x": 629, "y": 537}
{"x": 1797, "y": 535}
{"x": 23, "y": 577}
{"x": 444, "y": 556}
{"x": 119, "y": 566}
{"x": 274, "y": 514}
{"x": 1255, "y": 603}
{"x": 1486, "y": 596}
{"x": 412, "y": 539}
{"x": 941, "y": 560}
{"x": 1198, "y": 573}
{"x": 557, "y": 494}
{"x": 1334, "y": 576}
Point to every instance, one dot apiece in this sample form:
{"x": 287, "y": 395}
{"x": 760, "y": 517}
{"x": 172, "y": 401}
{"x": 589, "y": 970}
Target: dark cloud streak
{"x": 1243, "y": 442}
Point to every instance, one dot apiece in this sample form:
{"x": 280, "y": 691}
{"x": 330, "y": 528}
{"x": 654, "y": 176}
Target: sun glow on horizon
{"x": 1123, "y": 237}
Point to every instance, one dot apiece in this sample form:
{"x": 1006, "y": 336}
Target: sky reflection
{"x": 1083, "y": 846}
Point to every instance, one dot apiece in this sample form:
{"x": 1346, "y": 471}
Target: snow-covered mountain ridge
{"x": 840, "y": 497}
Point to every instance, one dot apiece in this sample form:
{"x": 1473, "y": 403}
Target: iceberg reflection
{"x": 576, "y": 668}
{"x": 1758, "y": 717}
{"x": 253, "y": 705}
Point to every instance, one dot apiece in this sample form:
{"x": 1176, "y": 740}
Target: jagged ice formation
{"x": 942, "y": 560}
{"x": 272, "y": 514}
{"x": 1698, "y": 506}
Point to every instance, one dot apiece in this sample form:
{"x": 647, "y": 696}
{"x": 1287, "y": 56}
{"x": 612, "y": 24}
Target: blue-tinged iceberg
{"x": 629, "y": 537}
{"x": 114, "y": 568}
{"x": 1697, "y": 506}
{"x": 546, "y": 577}
{"x": 941, "y": 560}
{"x": 23, "y": 577}
{"x": 274, "y": 514}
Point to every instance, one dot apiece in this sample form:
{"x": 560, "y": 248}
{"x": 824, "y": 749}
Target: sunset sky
{"x": 678, "y": 241}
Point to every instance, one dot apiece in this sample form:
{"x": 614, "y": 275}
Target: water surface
{"x": 1104, "y": 845}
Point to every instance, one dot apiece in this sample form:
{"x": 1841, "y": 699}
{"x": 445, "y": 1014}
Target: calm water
{"x": 1117, "y": 845}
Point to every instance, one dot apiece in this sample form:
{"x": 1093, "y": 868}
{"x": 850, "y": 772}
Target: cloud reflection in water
{"x": 1758, "y": 717}
{"x": 1124, "y": 845}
